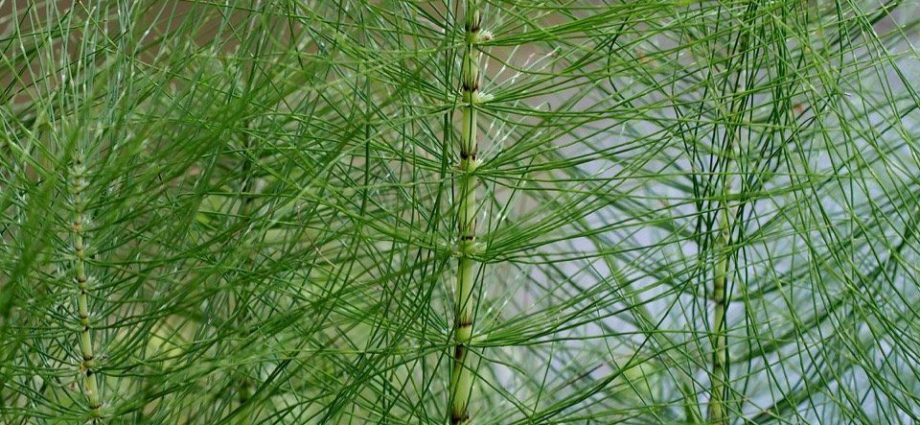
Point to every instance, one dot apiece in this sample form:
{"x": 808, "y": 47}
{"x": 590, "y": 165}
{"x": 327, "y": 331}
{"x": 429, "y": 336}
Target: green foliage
{"x": 683, "y": 211}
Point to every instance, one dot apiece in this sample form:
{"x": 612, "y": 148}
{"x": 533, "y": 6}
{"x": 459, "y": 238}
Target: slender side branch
{"x": 461, "y": 378}
{"x": 88, "y": 364}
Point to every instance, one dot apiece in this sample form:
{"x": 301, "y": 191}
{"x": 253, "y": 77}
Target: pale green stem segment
{"x": 88, "y": 364}
{"x": 461, "y": 377}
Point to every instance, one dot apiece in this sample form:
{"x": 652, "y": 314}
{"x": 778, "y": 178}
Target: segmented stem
{"x": 461, "y": 378}
{"x": 88, "y": 363}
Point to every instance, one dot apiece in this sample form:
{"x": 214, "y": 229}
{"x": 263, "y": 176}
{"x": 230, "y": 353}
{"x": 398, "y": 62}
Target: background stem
{"x": 717, "y": 413}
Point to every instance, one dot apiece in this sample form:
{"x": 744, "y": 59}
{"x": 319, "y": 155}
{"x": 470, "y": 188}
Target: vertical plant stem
{"x": 247, "y": 185}
{"x": 88, "y": 364}
{"x": 461, "y": 378}
{"x": 724, "y": 251}
{"x": 717, "y": 413}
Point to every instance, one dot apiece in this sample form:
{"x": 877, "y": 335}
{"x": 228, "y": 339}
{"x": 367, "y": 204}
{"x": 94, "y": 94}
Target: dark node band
{"x": 458, "y": 418}
{"x": 473, "y": 26}
{"x": 470, "y": 88}
{"x": 468, "y": 155}
{"x": 459, "y": 351}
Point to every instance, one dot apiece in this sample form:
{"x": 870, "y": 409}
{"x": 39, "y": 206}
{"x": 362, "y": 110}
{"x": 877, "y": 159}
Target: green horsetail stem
{"x": 461, "y": 377}
{"x": 717, "y": 414}
{"x": 247, "y": 186}
{"x": 78, "y": 185}
{"x": 723, "y": 250}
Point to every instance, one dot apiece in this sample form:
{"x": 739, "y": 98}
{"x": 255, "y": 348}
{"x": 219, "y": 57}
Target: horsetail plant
{"x": 308, "y": 212}
{"x": 462, "y": 372}
{"x": 88, "y": 364}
